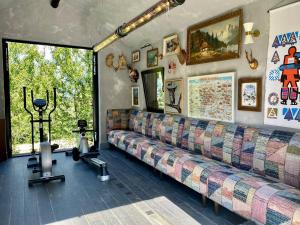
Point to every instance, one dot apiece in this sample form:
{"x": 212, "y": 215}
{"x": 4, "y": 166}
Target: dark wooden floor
{"x": 135, "y": 195}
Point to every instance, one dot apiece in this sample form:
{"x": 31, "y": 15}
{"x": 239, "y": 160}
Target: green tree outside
{"x": 42, "y": 68}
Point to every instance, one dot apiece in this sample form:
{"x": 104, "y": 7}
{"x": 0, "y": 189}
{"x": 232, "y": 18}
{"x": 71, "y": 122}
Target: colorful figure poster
{"x": 211, "y": 97}
{"x": 282, "y": 102}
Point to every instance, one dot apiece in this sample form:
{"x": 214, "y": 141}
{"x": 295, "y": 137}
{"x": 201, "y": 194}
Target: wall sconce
{"x": 250, "y": 33}
{"x": 151, "y": 13}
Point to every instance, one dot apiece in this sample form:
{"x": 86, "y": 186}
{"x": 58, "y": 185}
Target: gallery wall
{"x": 256, "y": 12}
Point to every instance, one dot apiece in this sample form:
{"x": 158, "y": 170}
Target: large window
{"x": 41, "y": 68}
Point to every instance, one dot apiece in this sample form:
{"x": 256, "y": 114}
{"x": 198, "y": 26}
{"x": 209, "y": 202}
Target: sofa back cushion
{"x": 271, "y": 153}
{"x": 117, "y": 119}
{"x": 136, "y": 121}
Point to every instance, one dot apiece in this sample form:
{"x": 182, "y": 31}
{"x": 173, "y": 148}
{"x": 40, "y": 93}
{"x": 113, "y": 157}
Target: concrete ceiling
{"x": 85, "y": 22}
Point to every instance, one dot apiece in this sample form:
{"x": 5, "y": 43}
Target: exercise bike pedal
{"x": 32, "y": 162}
{"x": 33, "y": 158}
{"x": 36, "y": 171}
{"x": 46, "y": 180}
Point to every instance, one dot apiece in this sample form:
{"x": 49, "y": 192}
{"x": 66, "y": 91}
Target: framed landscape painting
{"x": 250, "y": 91}
{"x": 216, "y": 39}
{"x": 211, "y": 97}
{"x": 174, "y": 96}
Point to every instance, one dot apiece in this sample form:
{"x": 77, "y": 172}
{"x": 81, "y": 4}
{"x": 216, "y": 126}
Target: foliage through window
{"x": 40, "y": 68}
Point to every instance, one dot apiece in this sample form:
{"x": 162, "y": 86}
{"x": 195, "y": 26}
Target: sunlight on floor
{"x": 150, "y": 210}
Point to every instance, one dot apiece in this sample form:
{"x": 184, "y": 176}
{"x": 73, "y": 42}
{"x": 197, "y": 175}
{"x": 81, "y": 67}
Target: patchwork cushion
{"x": 117, "y": 119}
{"x": 270, "y": 153}
{"x": 122, "y": 138}
{"x": 250, "y": 195}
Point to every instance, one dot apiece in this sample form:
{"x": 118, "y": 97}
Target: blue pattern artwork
{"x": 274, "y": 75}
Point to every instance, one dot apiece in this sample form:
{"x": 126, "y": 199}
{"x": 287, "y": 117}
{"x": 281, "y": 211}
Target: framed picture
{"x": 135, "y": 56}
{"x": 152, "y": 57}
{"x": 135, "y": 96}
{"x": 170, "y": 44}
{"x": 216, "y": 39}
{"x": 174, "y": 96}
{"x": 211, "y": 97}
{"x": 250, "y": 94}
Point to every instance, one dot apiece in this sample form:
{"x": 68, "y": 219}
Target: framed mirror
{"x": 153, "y": 83}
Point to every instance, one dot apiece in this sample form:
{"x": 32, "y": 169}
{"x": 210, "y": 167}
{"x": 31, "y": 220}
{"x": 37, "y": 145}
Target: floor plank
{"x": 135, "y": 195}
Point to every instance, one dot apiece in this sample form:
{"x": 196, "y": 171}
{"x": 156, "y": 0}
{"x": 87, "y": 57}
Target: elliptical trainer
{"x": 45, "y": 162}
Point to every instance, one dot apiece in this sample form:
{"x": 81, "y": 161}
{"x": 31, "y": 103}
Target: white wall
{"x": 255, "y": 12}
{"x": 115, "y": 87}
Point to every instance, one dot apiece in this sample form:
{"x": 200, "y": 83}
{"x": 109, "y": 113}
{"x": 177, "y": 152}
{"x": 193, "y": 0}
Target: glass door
{"x": 39, "y": 68}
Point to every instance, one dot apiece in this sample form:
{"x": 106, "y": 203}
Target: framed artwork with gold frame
{"x": 152, "y": 57}
{"x": 170, "y": 44}
{"x": 135, "y": 56}
{"x": 216, "y": 39}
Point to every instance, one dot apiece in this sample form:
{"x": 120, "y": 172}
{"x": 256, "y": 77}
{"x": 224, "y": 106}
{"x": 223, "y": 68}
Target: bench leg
{"x": 204, "y": 200}
{"x": 216, "y": 208}
{"x": 161, "y": 175}
{"x": 110, "y": 146}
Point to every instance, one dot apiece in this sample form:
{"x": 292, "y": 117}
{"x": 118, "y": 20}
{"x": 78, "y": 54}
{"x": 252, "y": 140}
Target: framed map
{"x": 211, "y": 97}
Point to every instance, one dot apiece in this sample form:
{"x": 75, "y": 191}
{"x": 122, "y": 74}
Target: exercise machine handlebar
{"x": 80, "y": 131}
{"x": 40, "y": 109}
{"x": 31, "y": 115}
{"x": 49, "y": 116}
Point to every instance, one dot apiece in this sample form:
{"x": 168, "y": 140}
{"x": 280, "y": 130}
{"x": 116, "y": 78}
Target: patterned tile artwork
{"x": 252, "y": 172}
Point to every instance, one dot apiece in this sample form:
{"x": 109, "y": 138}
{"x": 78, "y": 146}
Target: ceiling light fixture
{"x": 54, "y": 3}
{"x": 151, "y": 13}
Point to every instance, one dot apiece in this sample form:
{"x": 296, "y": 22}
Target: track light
{"x": 54, "y": 3}
{"x": 151, "y": 13}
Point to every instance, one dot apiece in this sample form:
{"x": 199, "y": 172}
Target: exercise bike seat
{"x": 40, "y": 103}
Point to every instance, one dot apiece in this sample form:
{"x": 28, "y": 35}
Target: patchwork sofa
{"x": 252, "y": 172}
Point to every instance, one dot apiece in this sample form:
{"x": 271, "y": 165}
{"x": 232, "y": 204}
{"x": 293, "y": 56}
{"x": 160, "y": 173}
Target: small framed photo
{"x": 135, "y": 56}
{"x": 170, "y": 44}
{"x": 135, "y": 96}
{"x": 152, "y": 57}
{"x": 250, "y": 94}
{"x": 174, "y": 96}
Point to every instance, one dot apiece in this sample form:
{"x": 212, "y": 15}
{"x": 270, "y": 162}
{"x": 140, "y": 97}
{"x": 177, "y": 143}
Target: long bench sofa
{"x": 252, "y": 172}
